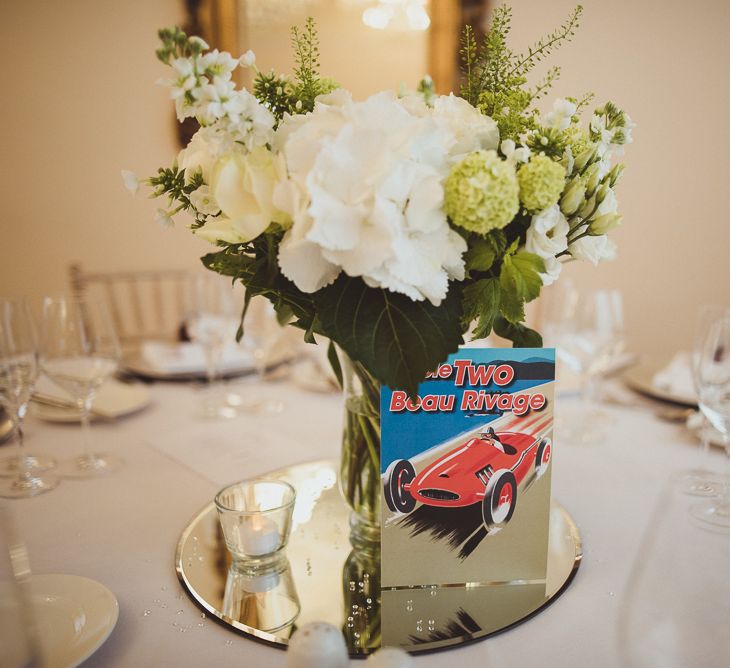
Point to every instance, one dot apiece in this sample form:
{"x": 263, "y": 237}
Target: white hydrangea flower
{"x": 472, "y": 130}
{"x": 365, "y": 195}
{"x": 547, "y": 236}
{"x": 559, "y": 118}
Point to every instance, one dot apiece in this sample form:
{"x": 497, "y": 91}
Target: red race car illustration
{"x": 486, "y": 469}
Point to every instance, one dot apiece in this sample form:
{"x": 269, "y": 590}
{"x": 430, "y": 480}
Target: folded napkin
{"x": 190, "y": 357}
{"x": 676, "y": 377}
{"x": 113, "y": 399}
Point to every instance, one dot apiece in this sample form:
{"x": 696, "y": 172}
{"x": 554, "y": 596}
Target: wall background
{"x": 80, "y": 104}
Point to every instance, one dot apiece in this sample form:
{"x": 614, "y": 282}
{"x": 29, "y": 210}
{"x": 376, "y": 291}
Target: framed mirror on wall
{"x": 365, "y": 45}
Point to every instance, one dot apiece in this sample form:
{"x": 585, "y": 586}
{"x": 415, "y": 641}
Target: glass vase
{"x": 360, "y": 458}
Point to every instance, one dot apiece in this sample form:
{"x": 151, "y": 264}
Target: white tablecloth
{"x": 123, "y": 530}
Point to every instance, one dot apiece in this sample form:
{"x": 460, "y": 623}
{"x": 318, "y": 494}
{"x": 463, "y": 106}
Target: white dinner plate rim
{"x": 69, "y": 415}
{"x": 94, "y": 642}
{"x": 640, "y": 378}
{"x": 133, "y": 363}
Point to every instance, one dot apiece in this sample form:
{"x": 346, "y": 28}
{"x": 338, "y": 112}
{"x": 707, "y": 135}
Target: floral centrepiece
{"x": 393, "y": 225}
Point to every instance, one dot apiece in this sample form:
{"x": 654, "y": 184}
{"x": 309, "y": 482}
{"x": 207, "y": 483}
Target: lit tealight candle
{"x": 259, "y": 536}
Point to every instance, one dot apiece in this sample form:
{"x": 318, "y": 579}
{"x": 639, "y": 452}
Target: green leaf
{"x": 481, "y": 303}
{"x": 520, "y": 281}
{"x": 483, "y": 251}
{"x": 335, "y": 363}
{"x": 260, "y": 273}
{"x": 521, "y": 336}
{"x": 397, "y": 339}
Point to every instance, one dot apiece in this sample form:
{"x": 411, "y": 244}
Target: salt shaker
{"x": 317, "y": 645}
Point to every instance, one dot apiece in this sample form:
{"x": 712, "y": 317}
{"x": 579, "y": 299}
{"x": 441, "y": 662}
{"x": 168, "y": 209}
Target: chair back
{"x": 144, "y": 304}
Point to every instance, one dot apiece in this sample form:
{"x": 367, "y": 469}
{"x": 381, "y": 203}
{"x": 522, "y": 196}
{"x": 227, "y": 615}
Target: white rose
{"x": 243, "y": 187}
{"x": 198, "y": 155}
{"x": 219, "y": 229}
{"x": 593, "y": 249}
{"x": 548, "y": 233}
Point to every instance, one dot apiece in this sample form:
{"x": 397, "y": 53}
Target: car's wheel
{"x": 542, "y": 456}
{"x": 399, "y": 473}
{"x": 500, "y": 499}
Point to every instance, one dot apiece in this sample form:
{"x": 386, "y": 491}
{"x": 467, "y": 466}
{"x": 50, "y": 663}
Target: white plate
{"x": 113, "y": 400}
{"x": 75, "y": 616}
{"x": 641, "y": 379}
{"x": 134, "y": 363}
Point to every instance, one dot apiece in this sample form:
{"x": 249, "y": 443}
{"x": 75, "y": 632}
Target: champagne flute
{"x": 711, "y": 361}
{"x": 79, "y": 351}
{"x": 18, "y": 373}
{"x": 586, "y": 329}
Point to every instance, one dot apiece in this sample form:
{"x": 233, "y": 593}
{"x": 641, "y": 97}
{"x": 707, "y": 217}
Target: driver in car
{"x": 490, "y": 436}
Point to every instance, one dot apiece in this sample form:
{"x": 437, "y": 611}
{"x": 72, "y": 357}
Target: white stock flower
{"x": 512, "y": 153}
{"x": 593, "y": 249}
{"x": 365, "y": 195}
{"x": 248, "y": 59}
{"x": 164, "y": 218}
{"x": 562, "y": 112}
{"x": 203, "y": 201}
{"x": 131, "y": 181}
{"x": 547, "y": 236}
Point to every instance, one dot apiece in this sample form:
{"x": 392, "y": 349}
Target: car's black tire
{"x": 397, "y": 474}
{"x": 500, "y": 499}
{"x": 543, "y": 456}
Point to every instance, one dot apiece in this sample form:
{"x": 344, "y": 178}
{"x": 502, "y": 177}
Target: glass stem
{"x": 213, "y": 356}
{"x": 85, "y": 409}
{"x": 24, "y": 472}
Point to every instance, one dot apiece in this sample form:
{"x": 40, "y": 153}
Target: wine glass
{"x": 214, "y": 314}
{"x": 264, "y": 337}
{"x": 711, "y": 362}
{"x": 699, "y": 482}
{"x": 586, "y": 328}
{"x": 79, "y": 351}
{"x": 18, "y": 373}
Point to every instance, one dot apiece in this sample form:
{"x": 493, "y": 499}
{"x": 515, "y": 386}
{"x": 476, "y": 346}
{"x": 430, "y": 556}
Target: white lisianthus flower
{"x": 593, "y": 249}
{"x": 243, "y": 188}
{"x": 199, "y": 155}
{"x": 203, "y": 201}
{"x": 559, "y": 118}
{"x": 547, "y": 236}
{"x": 131, "y": 181}
{"x": 364, "y": 190}
{"x": 248, "y": 59}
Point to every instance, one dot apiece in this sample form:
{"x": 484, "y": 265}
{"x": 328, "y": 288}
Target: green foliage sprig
{"x": 495, "y": 77}
{"x": 283, "y": 95}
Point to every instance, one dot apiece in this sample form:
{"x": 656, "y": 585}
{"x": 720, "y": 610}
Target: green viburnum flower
{"x": 577, "y": 138}
{"x": 482, "y": 193}
{"x": 541, "y": 183}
